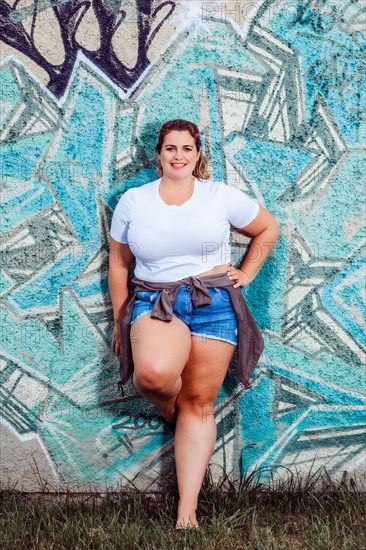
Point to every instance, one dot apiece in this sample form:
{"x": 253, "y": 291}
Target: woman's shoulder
{"x": 221, "y": 187}
{"x": 212, "y": 186}
{"x": 135, "y": 190}
{"x": 147, "y": 185}
{"x": 211, "y": 181}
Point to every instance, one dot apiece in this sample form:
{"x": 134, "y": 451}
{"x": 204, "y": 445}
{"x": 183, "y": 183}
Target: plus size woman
{"x": 183, "y": 328}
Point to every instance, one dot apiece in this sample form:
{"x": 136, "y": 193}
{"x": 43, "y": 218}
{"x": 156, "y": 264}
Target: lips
{"x": 178, "y": 166}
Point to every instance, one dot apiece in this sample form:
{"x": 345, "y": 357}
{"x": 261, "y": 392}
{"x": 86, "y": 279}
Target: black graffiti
{"x": 109, "y": 15}
{"x": 134, "y": 422}
{"x": 321, "y": 17}
{"x": 310, "y": 13}
{"x": 336, "y": 73}
{"x": 343, "y": 70}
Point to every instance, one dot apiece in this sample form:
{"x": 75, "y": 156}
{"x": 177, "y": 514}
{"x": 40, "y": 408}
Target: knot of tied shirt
{"x": 163, "y": 306}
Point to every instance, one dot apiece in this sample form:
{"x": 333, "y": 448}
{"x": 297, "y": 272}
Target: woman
{"x": 177, "y": 228}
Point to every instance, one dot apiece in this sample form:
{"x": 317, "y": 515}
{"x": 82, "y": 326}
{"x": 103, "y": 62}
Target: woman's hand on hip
{"x": 237, "y": 275}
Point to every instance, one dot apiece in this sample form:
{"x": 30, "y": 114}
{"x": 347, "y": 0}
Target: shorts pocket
{"x": 147, "y": 295}
{"x": 224, "y": 294}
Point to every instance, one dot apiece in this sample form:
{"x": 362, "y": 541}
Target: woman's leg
{"x": 160, "y": 351}
{"x": 195, "y": 434}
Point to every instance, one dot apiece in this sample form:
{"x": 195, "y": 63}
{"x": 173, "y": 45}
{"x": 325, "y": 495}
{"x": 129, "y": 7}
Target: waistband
{"x": 164, "y": 305}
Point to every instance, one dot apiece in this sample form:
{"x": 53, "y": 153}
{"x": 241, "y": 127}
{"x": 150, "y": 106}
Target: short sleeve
{"x": 121, "y": 219}
{"x": 241, "y": 209}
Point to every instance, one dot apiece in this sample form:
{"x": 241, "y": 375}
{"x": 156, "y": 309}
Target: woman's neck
{"x": 182, "y": 184}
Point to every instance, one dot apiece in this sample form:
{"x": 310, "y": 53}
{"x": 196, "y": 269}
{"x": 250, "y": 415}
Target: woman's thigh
{"x": 204, "y": 372}
{"x": 160, "y": 348}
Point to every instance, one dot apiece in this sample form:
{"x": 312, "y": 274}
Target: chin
{"x": 184, "y": 172}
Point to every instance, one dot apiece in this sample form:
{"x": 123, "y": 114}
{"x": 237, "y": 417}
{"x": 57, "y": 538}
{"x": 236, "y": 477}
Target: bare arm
{"x": 120, "y": 259}
{"x": 265, "y": 230}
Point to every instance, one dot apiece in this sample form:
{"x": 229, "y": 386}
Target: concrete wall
{"x": 276, "y": 88}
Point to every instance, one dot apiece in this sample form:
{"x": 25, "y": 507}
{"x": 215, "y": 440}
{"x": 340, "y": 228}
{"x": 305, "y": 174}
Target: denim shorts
{"x": 216, "y": 320}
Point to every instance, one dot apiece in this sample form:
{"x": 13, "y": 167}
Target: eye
{"x": 186, "y": 148}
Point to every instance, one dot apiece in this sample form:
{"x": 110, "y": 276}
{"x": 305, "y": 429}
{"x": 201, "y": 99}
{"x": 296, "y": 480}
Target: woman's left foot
{"x": 187, "y": 525}
{"x": 186, "y": 520}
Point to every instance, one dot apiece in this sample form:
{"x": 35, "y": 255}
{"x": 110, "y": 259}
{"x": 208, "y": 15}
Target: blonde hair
{"x": 200, "y": 170}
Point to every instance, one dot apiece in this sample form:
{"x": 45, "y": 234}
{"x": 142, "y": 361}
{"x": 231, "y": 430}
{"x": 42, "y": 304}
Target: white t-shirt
{"x": 171, "y": 242}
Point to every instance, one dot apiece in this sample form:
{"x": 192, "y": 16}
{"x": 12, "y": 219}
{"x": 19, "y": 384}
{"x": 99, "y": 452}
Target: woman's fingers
{"x": 116, "y": 343}
{"x": 239, "y": 276}
{"x": 117, "y": 347}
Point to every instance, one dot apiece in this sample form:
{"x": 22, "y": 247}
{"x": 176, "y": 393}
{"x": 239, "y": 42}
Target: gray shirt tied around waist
{"x": 250, "y": 341}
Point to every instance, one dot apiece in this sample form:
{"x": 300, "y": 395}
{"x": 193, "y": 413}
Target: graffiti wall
{"x": 278, "y": 91}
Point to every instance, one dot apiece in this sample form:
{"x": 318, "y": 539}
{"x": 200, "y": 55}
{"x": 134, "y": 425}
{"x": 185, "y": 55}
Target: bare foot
{"x": 187, "y": 525}
{"x": 186, "y": 519}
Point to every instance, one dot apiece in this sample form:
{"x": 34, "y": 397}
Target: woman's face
{"x": 178, "y": 155}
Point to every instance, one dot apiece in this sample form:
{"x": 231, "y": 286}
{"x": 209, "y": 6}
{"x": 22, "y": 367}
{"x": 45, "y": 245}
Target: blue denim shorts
{"x": 216, "y": 320}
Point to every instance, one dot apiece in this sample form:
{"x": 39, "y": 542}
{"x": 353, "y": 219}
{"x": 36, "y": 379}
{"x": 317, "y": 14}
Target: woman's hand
{"x": 240, "y": 278}
{"x": 116, "y": 339}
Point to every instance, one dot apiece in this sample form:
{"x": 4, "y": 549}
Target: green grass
{"x": 311, "y": 513}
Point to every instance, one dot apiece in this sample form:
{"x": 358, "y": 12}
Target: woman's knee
{"x": 201, "y": 405}
{"x": 160, "y": 353}
{"x": 150, "y": 373}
